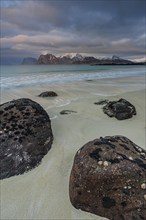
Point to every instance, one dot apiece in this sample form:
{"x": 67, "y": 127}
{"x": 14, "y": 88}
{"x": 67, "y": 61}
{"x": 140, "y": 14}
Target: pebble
{"x": 100, "y": 162}
{"x": 79, "y": 151}
{"x": 143, "y": 186}
{"x": 105, "y": 163}
{"x": 144, "y": 196}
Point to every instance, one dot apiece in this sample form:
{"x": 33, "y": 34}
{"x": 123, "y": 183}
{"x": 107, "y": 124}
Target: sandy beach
{"x": 43, "y": 192}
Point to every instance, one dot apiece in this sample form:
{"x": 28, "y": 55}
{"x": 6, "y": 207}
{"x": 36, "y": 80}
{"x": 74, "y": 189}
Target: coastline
{"x": 40, "y": 192}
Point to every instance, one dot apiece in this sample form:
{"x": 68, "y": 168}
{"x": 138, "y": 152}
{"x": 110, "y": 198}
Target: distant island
{"x": 29, "y": 60}
{"x": 78, "y": 59}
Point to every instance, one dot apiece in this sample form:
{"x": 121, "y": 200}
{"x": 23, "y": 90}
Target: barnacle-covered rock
{"x": 108, "y": 178}
{"x": 25, "y": 136}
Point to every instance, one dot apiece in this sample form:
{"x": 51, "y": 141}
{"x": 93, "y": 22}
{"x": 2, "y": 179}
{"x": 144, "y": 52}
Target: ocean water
{"x": 13, "y": 76}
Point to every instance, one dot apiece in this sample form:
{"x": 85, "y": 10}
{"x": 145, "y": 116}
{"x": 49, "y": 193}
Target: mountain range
{"x": 77, "y": 59}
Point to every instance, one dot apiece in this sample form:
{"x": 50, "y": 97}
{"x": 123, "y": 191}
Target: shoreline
{"x": 40, "y": 192}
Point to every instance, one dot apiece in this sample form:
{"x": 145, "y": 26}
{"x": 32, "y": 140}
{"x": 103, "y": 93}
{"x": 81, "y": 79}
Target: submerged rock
{"x": 25, "y": 136}
{"x": 66, "y": 112}
{"x": 108, "y": 178}
{"x": 121, "y": 109}
{"x": 101, "y": 102}
{"x": 48, "y": 94}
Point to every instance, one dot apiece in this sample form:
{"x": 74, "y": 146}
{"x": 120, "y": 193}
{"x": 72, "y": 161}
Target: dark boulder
{"x": 48, "y": 94}
{"x": 25, "y": 136}
{"x": 108, "y": 178}
{"x": 121, "y": 109}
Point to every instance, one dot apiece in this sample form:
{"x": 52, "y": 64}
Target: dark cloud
{"x": 83, "y": 26}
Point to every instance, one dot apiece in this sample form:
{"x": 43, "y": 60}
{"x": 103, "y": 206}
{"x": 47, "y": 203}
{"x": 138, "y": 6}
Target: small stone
{"x": 145, "y": 196}
{"x": 105, "y": 163}
{"x": 143, "y": 186}
{"x": 78, "y": 151}
{"x": 100, "y": 162}
{"x": 67, "y": 112}
{"x": 130, "y": 158}
{"x": 48, "y": 94}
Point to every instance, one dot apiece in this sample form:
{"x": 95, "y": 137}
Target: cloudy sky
{"x": 93, "y": 27}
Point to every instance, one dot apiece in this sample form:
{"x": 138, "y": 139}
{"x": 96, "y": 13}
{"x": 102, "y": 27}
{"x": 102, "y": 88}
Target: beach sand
{"x": 43, "y": 193}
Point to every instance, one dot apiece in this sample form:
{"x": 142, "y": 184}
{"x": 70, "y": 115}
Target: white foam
{"x": 54, "y": 117}
{"x": 77, "y": 73}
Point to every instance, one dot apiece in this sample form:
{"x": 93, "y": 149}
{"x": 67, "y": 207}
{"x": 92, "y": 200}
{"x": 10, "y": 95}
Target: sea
{"x": 13, "y": 76}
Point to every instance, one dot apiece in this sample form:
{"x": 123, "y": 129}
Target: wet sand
{"x": 43, "y": 192}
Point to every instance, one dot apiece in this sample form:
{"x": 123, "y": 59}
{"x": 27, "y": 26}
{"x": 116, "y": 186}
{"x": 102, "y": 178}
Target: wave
{"x": 32, "y": 77}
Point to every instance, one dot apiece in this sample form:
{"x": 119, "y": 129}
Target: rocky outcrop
{"x": 66, "y": 59}
{"x": 25, "y": 136}
{"x": 87, "y": 60}
{"x": 48, "y": 94}
{"x": 121, "y": 109}
{"x": 48, "y": 59}
{"x": 108, "y": 178}
{"x": 29, "y": 60}
{"x": 115, "y": 60}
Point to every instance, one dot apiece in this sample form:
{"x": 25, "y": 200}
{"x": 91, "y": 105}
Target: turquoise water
{"x": 23, "y": 75}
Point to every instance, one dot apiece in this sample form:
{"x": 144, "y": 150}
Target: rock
{"x": 101, "y": 102}
{"x": 47, "y": 59}
{"x": 25, "y": 136}
{"x": 121, "y": 109}
{"x": 48, "y": 94}
{"x": 108, "y": 178}
{"x": 66, "y": 112}
{"x": 114, "y": 61}
{"x": 89, "y": 80}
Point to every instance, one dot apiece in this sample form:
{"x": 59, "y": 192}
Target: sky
{"x": 101, "y": 28}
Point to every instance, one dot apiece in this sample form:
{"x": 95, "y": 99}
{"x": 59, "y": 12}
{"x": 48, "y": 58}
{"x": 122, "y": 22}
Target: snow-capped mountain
{"x": 74, "y": 58}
